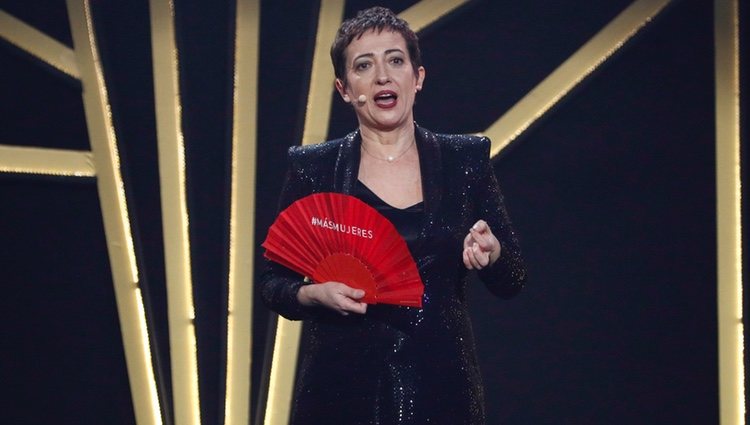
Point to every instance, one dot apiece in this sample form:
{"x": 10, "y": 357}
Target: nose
{"x": 382, "y": 74}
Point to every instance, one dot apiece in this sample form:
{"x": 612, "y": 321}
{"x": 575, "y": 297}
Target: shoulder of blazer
{"x": 464, "y": 153}
{"x": 313, "y": 153}
{"x": 456, "y": 145}
{"x": 464, "y": 145}
{"x": 317, "y": 157}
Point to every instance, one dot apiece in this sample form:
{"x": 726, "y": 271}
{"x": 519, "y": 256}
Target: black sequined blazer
{"x": 400, "y": 365}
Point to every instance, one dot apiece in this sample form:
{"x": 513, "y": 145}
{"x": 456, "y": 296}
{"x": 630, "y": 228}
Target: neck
{"x": 388, "y": 139}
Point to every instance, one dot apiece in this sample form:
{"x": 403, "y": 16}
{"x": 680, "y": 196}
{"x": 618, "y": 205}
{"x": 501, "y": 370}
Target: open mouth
{"x": 386, "y": 99}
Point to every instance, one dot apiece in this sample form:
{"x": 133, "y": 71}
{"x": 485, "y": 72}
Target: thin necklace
{"x": 389, "y": 158}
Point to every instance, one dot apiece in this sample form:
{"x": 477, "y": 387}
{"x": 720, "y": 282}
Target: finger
{"x": 467, "y": 262}
{"x": 350, "y": 306}
{"x": 486, "y": 241}
{"x": 472, "y": 256}
{"x": 347, "y": 298}
{"x": 468, "y": 239}
{"x": 483, "y": 257}
{"x": 481, "y": 230}
{"x": 476, "y": 254}
{"x": 353, "y": 293}
{"x": 480, "y": 226}
{"x": 347, "y": 291}
{"x": 359, "y": 308}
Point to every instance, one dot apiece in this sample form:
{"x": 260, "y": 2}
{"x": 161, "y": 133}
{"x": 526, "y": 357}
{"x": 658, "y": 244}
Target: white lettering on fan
{"x": 340, "y": 227}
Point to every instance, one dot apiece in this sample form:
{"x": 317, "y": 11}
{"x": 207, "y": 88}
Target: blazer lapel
{"x": 431, "y": 167}
{"x": 347, "y": 163}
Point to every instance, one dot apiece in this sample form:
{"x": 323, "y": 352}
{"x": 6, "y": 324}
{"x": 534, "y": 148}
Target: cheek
{"x": 356, "y": 83}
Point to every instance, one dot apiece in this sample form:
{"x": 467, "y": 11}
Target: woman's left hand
{"x": 481, "y": 247}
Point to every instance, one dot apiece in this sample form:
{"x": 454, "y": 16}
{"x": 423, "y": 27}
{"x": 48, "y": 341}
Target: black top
{"x": 400, "y": 365}
{"x": 407, "y": 221}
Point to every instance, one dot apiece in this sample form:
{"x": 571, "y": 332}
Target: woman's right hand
{"x": 334, "y": 295}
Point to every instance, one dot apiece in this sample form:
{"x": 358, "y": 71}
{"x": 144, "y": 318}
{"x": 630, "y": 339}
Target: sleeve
{"x": 507, "y": 276}
{"x": 279, "y": 285}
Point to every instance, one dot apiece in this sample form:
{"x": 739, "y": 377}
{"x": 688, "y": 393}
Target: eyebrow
{"x": 370, "y": 55}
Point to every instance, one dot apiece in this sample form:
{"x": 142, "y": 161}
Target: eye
{"x": 397, "y": 60}
{"x": 361, "y": 66}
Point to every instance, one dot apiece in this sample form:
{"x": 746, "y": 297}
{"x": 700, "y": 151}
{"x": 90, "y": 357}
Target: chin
{"x": 391, "y": 123}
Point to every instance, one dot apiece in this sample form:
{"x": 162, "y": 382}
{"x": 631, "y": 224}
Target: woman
{"x": 383, "y": 364}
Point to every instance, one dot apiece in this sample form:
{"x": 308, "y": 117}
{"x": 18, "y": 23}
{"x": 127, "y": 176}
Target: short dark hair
{"x": 378, "y": 19}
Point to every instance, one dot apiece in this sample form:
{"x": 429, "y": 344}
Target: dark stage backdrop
{"x": 612, "y": 194}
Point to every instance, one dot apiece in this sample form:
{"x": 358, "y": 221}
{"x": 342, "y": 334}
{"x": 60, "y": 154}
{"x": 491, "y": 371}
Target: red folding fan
{"x": 336, "y": 237}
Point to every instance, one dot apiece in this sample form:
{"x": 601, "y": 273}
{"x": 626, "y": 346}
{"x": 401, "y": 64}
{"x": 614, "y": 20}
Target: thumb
{"x": 480, "y": 226}
{"x": 354, "y": 293}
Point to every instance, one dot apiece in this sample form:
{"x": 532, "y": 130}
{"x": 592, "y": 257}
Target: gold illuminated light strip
{"x": 181, "y": 311}
{"x": 38, "y": 44}
{"x": 574, "y": 70}
{"x": 426, "y": 12}
{"x": 35, "y": 160}
{"x": 319, "y": 96}
{"x": 52, "y": 162}
{"x": 728, "y": 213}
{"x": 283, "y": 371}
{"x": 317, "y": 117}
{"x": 242, "y": 215}
{"x": 115, "y": 216}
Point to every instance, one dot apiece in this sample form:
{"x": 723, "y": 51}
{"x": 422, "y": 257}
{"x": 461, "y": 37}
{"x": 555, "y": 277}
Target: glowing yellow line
{"x": 175, "y": 218}
{"x": 426, "y": 12}
{"x": 45, "y": 161}
{"x": 728, "y": 214}
{"x": 38, "y": 44}
{"x": 283, "y": 369}
{"x": 319, "y": 99}
{"x": 154, "y": 415}
{"x": 574, "y": 70}
{"x": 242, "y": 215}
{"x": 115, "y": 216}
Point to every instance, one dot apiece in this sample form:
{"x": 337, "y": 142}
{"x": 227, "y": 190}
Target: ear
{"x": 420, "y": 78}
{"x": 341, "y": 88}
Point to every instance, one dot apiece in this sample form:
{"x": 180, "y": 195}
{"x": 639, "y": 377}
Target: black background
{"x": 612, "y": 193}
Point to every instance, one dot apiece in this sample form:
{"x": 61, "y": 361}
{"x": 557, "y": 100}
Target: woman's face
{"x": 378, "y": 66}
